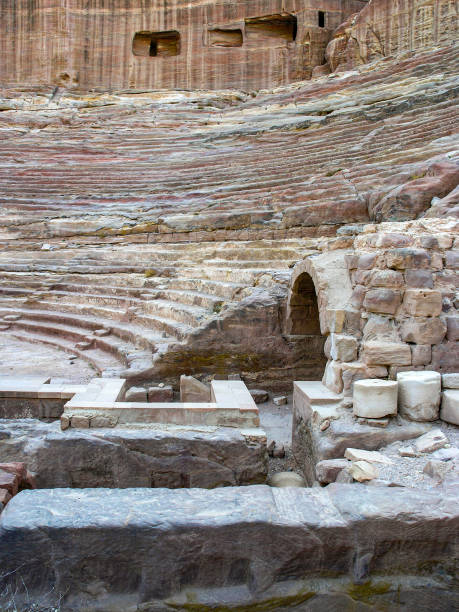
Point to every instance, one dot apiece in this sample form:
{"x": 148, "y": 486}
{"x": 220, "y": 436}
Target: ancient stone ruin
{"x": 229, "y": 261}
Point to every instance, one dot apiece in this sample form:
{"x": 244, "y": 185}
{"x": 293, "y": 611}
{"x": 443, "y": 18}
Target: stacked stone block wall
{"x": 402, "y": 313}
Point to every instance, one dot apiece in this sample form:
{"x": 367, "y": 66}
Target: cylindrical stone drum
{"x": 419, "y": 395}
{"x": 375, "y": 398}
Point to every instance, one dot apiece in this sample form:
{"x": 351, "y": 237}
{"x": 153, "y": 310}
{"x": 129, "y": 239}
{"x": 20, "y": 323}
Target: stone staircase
{"x": 121, "y": 323}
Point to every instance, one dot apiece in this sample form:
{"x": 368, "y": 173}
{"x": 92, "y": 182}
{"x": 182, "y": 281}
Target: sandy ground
{"x": 26, "y": 359}
{"x": 277, "y": 422}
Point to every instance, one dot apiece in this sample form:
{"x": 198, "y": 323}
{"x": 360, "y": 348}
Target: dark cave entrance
{"x": 304, "y": 310}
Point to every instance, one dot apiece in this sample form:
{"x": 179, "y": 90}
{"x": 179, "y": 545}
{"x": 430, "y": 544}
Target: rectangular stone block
{"x": 386, "y": 353}
{"x": 404, "y": 258}
{"x": 452, "y": 332}
{"x": 386, "y": 278}
{"x": 422, "y": 279}
{"x": 450, "y": 406}
{"x": 78, "y": 544}
{"x": 171, "y": 456}
{"x": 450, "y": 381}
{"x": 421, "y": 330}
{"x": 384, "y": 301}
{"x": 421, "y": 354}
{"x": 160, "y": 394}
{"x": 136, "y": 394}
{"x": 343, "y": 348}
{"x": 422, "y": 302}
{"x": 452, "y": 259}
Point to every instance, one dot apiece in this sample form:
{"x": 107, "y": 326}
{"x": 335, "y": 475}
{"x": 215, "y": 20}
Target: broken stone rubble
{"x": 362, "y": 471}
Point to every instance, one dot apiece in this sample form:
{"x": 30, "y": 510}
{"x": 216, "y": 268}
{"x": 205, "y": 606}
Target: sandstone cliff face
{"x": 154, "y": 45}
{"x": 390, "y": 27}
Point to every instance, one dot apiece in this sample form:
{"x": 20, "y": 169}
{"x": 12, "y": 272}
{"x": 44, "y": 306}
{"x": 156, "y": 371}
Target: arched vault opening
{"x": 303, "y": 328}
{"x": 304, "y": 310}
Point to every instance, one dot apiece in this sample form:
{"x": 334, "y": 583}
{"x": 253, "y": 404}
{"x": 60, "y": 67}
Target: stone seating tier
{"x": 142, "y": 314}
{"x": 188, "y": 203}
{"x": 303, "y": 146}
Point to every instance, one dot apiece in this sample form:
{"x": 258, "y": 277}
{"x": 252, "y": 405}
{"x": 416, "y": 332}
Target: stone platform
{"x": 238, "y": 547}
{"x": 103, "y": 441}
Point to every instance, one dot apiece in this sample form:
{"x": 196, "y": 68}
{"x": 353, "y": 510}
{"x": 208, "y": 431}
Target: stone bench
{"x": 341, "y": 547}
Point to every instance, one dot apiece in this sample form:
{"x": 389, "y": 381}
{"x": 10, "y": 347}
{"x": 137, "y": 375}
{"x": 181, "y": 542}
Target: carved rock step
{"x": 190, "y": 298}
{"x": 128, "y": 332}
{"x": 100, "y": 360}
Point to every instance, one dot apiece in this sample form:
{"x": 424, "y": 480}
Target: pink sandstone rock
{"x": 381, "y": 28}
{"x": 197, "y": 45}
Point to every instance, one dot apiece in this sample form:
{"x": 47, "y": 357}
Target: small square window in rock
{"x": 321, "y": 19}
{"x": 219, "y": 37}
{"x": 156, "y": 44}
{"x": 273, "y": 26}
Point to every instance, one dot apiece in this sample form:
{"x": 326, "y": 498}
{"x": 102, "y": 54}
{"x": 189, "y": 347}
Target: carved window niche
{"x": 282, "y": 27}
{"x": 156, "y": 44}
{"x": 321, "y": 19}
{"x": 220, "y": 37}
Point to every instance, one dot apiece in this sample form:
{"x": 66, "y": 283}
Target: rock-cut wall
{"x": 129, "y": 44}
{"x": 390, "y": 27}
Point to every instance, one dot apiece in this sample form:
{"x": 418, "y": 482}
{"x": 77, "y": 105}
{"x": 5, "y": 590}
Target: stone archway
{"x": 303, "y": 328}
{"x": 303, "y": 308}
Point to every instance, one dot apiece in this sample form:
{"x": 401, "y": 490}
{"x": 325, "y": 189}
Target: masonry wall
{"x": 395, "y": 308}
{"x": 88, "y": 45}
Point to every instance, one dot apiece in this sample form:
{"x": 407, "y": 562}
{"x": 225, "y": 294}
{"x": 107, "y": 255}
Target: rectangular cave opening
{"x": 156, "y": 44}
{"x": 273, "y": 26}
{"x": 321, "y": 19}
{"x": 220, "y": 37}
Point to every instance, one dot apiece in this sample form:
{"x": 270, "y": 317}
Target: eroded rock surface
{"x": 162, "y": 457}
{"x": 385, "y": 28}
{"x": 100, "y": 548}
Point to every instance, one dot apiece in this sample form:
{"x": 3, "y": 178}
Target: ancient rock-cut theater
{"x": 229, "y": 262}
